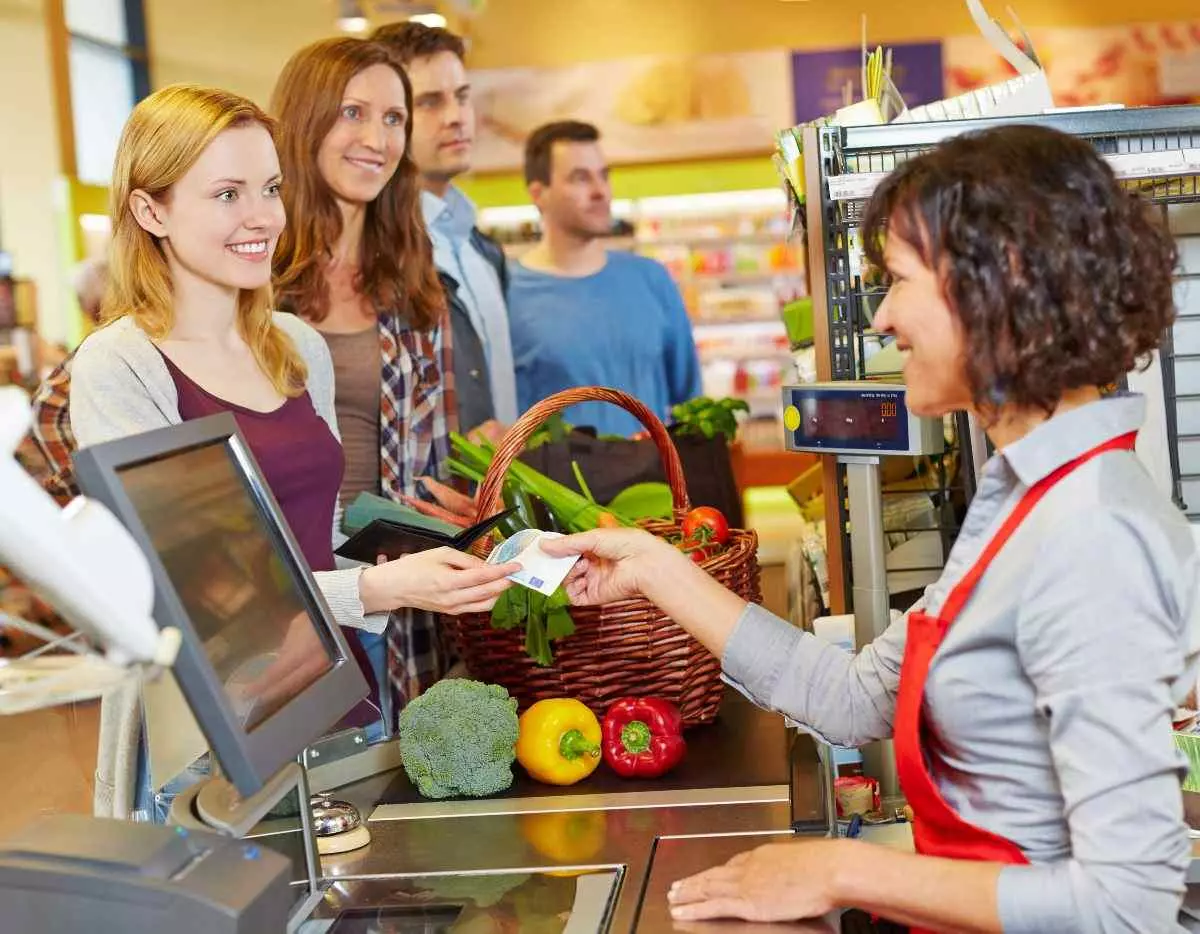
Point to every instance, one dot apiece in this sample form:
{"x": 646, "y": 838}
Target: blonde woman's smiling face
{"x": 220, "y": 222}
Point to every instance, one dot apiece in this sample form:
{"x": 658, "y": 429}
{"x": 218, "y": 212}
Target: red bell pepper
{"x": 643, "y": 737}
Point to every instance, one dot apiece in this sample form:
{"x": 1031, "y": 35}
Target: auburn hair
{"x": 396, "y": 269}
{"x": 161, "y": 141}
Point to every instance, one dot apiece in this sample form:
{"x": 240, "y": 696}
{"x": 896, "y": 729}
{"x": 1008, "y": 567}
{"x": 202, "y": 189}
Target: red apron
{"x": 937, "y": 828}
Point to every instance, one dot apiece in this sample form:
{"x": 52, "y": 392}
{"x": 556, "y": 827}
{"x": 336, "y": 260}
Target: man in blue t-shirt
{"x": 581, "y": 315}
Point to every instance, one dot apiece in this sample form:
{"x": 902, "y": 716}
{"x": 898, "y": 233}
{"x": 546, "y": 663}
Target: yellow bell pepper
{"x": 559, "y": 741}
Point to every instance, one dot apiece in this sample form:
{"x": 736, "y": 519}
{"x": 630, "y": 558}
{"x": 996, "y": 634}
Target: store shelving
{"x": 1155, "y": 152}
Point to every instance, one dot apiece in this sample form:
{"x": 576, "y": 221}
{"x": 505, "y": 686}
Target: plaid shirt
{"x": 52, "y": 432}
{"x": 417, "y": 414}
{"x": 46, "y": 454}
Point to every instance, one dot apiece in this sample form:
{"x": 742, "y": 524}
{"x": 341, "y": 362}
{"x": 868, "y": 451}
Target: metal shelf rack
{"x": 1154, "y": 151}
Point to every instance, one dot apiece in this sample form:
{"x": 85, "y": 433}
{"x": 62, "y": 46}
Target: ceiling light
{"x": 432, "y": 20}
{"x": 350, "y": 17}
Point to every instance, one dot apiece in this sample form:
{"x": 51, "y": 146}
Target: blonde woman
{"x": 189, "y": 332}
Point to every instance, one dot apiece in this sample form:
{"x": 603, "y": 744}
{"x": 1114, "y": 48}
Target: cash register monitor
{"x": 263, "y": 666}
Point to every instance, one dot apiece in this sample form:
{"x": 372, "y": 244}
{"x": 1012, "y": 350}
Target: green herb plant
{"x": 545, "y": 619}
{"x": 708, "y": 418}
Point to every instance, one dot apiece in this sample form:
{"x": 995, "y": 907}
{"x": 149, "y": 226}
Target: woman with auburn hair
{"x": 190, "y": 332}
{"x": 357, "y": 263}
{"x": 1030, "y": 692}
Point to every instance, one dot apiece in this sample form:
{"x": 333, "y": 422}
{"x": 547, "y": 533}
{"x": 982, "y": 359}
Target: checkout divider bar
{"x": 493, "y": 807}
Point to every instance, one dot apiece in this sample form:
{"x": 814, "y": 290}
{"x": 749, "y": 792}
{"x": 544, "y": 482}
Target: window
{"x": 108, "y": 75}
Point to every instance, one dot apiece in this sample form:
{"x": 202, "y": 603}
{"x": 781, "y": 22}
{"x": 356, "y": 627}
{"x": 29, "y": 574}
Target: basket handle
{"x": 491, "y": 491}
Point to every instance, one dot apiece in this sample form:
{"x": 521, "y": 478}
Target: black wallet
{"x": 395, "y": 539}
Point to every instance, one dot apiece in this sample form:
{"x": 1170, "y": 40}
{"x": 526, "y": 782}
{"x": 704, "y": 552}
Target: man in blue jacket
{"x": 582, "y": 315}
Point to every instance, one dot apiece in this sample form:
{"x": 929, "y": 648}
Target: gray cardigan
{"x": 120, "y": 386}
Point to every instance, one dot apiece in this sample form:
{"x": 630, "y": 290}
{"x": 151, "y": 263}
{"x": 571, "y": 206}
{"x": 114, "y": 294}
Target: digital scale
{"x": 856, "y": 418}
{"x": 861, "y": 422}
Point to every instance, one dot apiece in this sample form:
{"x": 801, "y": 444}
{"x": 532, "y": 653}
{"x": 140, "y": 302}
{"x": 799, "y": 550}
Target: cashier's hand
{"x": 616, "y": 564}
{"x": 778, "y": 882}
{"x": 442, "y": 580}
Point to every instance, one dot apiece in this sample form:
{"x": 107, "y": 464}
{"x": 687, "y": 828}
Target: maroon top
{"x": 302, "y": 463}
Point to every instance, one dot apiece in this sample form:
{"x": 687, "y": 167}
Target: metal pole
{"x": 868, "y": 556}
{"x": 872, "y": 606}
{"x": 312, "y": 858}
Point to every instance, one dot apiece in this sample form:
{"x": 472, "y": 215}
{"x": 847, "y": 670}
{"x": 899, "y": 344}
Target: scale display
{"x": 855, "y": 418}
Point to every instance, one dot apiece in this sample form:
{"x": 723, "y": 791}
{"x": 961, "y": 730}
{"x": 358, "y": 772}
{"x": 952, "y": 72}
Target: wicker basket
{"x": 619, "y": 649}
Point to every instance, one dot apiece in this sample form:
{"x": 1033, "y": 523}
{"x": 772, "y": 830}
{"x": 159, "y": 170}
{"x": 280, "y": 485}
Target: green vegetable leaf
{"x": 553, "y": 429}
{"x": 536, "y": 642}
{"x": 583, "y": 487}
{"x": 559, "y": 623}
{"x": 643, "y": 501}
{"x": 517, "y": 497}
{"x": 508, "y": 613}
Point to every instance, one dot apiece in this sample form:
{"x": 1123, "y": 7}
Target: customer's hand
{"x": 442, "y": 580}
{"x": 616, "y": 564}
{"x": 778, "y": 882}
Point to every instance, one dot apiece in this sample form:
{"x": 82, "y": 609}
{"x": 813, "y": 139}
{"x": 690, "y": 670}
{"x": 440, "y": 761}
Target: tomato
{"x": 705, "y": 524}
{"x": 699, "y": 553}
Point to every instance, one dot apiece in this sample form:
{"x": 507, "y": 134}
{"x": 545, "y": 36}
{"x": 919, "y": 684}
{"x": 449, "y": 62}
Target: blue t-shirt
{"x": 624, "y": 327}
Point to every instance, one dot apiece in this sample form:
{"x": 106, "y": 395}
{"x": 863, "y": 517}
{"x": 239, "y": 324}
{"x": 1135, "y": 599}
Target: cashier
{"x": 1030, "y": 692}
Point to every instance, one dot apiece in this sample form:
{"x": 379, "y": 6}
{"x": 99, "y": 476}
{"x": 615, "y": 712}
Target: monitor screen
{"x": 248, "y": 614}
{"x": 263, "y": 666}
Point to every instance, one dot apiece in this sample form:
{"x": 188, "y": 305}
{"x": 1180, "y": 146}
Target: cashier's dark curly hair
{"x": 1061, "y": 279}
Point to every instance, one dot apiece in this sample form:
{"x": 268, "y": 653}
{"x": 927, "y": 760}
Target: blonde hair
{"x": 163, "y": 138}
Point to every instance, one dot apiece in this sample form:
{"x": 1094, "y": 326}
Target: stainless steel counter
{"x": 559, "y": 847}
{"x": 680, "y": 857}
{"x": 596, "y": 857}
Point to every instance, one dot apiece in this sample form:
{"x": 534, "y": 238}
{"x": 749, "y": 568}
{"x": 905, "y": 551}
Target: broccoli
{"x": 459, "y": 738}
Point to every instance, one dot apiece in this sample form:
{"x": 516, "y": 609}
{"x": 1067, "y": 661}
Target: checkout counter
{"x": 591, "y": 858}
{"x": 748, "y": 779}
{"x": 598, "y": 856}
{"x": 594, "y": 857}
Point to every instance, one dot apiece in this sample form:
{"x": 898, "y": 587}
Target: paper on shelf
{"x": 1027, "y": 93}
{"x": 999, "y": 40}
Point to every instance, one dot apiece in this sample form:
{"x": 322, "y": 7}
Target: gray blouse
{"x": 1049, "y": 703}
